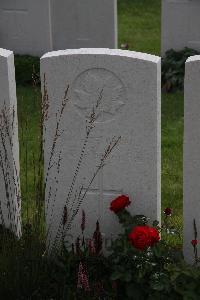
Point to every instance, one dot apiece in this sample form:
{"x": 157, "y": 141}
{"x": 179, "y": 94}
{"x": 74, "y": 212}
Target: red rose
{"x": 143, "y": 237}
{"x": 168, "y": 211}
{"x": 194, "y": 242}
{"x": 120, "y": 203}
{"x": 140, "y": 237}
{"x": 154, "y": 235}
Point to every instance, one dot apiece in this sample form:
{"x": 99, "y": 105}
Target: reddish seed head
{"x": 194, "y": 242}
{"x": 97, "y": 238}
{"x": 167, "y": 211}
{"x": 83, "y": 281}
{"x": 83, "y": 221}
{"x": 91, "y": 247}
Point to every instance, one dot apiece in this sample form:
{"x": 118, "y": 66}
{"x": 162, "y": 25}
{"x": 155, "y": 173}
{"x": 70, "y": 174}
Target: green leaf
{"x": 134, "y": 292}
{"x": 116, "y": 275}
{"x": 127, "y": 277}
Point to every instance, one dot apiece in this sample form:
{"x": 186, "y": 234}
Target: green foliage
{"x": 26, "y": 273}
{"x": 27, "y": 69}
{"x": 127, "y": 273}
{"x": 156, "y": 273}
{"x": 173, "y": 68}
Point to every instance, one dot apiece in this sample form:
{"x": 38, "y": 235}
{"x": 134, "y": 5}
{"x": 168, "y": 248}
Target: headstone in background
{"x": 25, "y": 26}
{"x": 128, "y": 85}
{"x": 10, "y": 200}
{"x": 191, "y": 173}
{"x": 180, "y": 24}
{"x": 84, "y": 24}
{"x": 36, "y": 27}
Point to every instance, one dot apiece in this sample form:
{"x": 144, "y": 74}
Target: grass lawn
{"x": 172, "y": 156}
{"x": 29, "y": 126}
{"x": 139, "y": 25}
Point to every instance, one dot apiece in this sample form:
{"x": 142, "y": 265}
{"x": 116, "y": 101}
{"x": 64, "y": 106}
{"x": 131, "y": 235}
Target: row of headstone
{"x": 36, "y": 27}
{"x": 180, "y": 24}
{"x": 102, "y": 139}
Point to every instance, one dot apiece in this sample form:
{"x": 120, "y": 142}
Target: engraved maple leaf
{"x": 89, "y": 90}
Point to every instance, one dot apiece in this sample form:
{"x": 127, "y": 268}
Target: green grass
{"x": 29, "y": 130}
{"x": 172, "y": 156}
{"x": 139, "y": 25}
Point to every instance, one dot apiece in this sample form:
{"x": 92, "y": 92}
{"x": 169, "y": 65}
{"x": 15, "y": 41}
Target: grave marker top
{"x": 128, "y": 86}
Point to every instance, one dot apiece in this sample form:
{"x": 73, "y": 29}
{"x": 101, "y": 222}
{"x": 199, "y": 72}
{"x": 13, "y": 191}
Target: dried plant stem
{"x": 57, "y": 135}
{"x": 81, "y": 197}
{"x": 89, "y": 126}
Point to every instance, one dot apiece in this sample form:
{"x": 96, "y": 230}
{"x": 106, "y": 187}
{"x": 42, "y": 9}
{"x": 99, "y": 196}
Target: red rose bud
{"x": 120, "y": 203}
{"x": 194, "y": 242}
{"x": 168, "y": 211}
{"x": 143, "y": 237}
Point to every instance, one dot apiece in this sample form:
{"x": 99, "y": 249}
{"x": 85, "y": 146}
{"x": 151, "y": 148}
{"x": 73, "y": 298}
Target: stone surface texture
{"x": 128, "y": 86}
{"x": 10, "y": 204}
{"x": 180, "y": 24}
{"x": 36, "y": 27}
{"x": 191, "y": 154}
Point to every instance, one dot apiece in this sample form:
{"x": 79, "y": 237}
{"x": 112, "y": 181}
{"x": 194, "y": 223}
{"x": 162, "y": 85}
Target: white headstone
{"x": 36, "y": 27}
{"x": 180, "y": 24}
{"x": 25, "y": 26}
{"x": 84, "y": 24}
{"x": 191, "y": 155}
{"x": 10, "y": 205}
{"x": 127, "y": 87}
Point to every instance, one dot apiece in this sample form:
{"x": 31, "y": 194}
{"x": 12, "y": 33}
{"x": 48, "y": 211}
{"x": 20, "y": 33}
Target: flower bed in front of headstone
{"x": 137, "y": 264}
